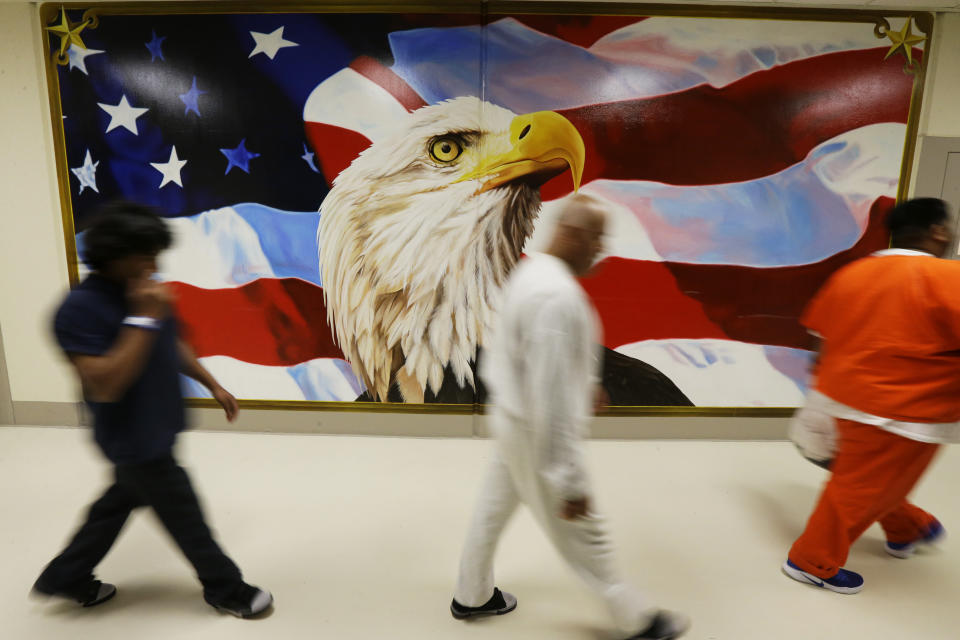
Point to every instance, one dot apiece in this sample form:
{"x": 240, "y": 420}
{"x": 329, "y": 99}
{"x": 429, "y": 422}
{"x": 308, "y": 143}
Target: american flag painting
{"x": 330, "y": 242}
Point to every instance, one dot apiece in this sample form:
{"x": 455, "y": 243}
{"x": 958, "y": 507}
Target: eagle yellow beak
{"x": 542, "y": 145}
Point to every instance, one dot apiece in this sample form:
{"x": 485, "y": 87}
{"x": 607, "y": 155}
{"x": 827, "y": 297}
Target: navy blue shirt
{"x": 143, "y": 424}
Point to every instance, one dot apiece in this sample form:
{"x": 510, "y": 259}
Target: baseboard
{"x": 6, "y": 399}
{"x": 690, "y": 428}
{"x": 420, "y": 425}
{"x": 679, "y": 428}
{"x": 60, "y": 414}
{"x": 336, "y": 423}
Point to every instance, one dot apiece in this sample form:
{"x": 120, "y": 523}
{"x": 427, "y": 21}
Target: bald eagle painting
{"x": 349, "y": 191}
{"x": 420, "y": 232}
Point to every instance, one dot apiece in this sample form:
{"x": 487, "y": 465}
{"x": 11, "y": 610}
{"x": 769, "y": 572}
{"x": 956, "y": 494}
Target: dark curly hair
{"x": 911, "y": 220}
{"x": 121, "y": 229}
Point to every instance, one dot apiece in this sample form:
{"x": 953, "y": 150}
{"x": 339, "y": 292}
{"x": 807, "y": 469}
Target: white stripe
{"x": 215, "y": 250}
{"x": 320, "y": 380}
{"x": 858, "y": 166}
{"x": 652, "y": 57}
{"x": 351, "y": 101}
{"x": 867, "y": 167}
{"x": 719, "y": 373}
{"x": 250, "y": 381}
{"x": 721, "y": 50}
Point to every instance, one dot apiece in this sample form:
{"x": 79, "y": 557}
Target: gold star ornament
{"x": 903, "y": 39}
{"x": 68, "y": 32}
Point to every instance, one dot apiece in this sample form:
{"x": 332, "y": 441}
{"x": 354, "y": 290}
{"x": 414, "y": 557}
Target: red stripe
{"x": 388, "y": 80}
{"x": 757, "y": 126}
{"x": 754, "y": 127}
{"x": 268, "y": 321}
{"x": 283, "y": 322}
{"x": 335, "y": 146}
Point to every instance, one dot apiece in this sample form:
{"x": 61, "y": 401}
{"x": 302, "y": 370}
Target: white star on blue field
{"x": 149, "y": 93}
{"x": 87, "y": 174}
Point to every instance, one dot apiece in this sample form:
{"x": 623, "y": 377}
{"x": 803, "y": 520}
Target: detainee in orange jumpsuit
{"x": 889, "y": 374}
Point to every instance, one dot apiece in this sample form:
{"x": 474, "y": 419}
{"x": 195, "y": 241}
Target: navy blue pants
{"x": 164, "y": 486}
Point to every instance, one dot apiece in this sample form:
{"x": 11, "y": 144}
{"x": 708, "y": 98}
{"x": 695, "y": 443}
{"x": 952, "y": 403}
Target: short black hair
{"x": 120, "y": 229}
{"x": 911, "y": 220}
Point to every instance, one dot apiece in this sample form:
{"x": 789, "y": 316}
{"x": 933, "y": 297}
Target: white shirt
{"x": 542, "y": 365}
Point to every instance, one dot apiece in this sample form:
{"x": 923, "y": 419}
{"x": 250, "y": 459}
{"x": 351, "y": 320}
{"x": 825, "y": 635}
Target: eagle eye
{"x": 446, "y": 149}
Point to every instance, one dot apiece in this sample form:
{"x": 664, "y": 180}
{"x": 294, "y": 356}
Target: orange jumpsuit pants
{"x": 872, "y": 475}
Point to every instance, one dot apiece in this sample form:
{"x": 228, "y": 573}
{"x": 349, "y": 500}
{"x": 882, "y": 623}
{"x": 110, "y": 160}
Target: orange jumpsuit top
{"x": 891, "y": 330}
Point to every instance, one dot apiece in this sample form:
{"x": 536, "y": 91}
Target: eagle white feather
{"x": 411, "y": 260}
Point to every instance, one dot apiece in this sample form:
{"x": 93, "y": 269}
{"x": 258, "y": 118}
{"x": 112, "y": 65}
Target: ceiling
{"x": 918, "y": 5}
{"x": 911, "y": 5}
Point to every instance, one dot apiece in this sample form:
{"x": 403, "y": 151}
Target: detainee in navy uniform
{"x": 120, "y": 334}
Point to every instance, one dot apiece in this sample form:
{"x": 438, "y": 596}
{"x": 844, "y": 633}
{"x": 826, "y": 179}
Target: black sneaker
{"x": 498, "y": 605}
{"x": 246, "y": 602}
{"x": 88, "y": 594}
{"x": 666, "y": 625}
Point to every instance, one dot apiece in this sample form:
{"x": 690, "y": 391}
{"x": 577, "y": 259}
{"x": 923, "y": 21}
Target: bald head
{"x": 581, "y": 211}
{"x": 578, "y": 236}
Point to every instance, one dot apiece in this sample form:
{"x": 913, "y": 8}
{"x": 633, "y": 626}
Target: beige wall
{"x": 31, "y": 236}
{"x": 941, "y": 109}
{"x": 32, "y": 248}
{"x": 940, "y": 115}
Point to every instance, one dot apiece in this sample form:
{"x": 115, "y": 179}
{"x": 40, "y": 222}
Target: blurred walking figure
{"x": 886, "y": 395}
{"x": 119, "y": 331}
{"x": 542, "y": 368}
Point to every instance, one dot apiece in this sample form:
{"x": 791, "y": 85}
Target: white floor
{"x": 359, "y": 538}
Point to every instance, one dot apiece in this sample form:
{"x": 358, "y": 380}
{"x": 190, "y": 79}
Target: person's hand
{"x": 573, "y": 509}
{"x": 228, "y": 402}
{"x": 601, "y": 399}
{"x": 150, "y": 298}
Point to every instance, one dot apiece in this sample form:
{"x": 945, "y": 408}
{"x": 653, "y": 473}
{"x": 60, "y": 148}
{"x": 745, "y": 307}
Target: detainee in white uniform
{"x": 541, "y": 367}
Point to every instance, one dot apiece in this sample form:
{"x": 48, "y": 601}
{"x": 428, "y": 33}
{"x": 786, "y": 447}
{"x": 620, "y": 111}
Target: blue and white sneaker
{"x": 846, "y": 582}
{"x": 935, "y": 534}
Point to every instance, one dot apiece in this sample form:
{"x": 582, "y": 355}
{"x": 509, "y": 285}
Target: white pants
{"x": 583, "y": 542}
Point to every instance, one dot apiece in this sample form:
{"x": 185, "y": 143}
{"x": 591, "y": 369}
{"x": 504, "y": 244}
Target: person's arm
{"x": 816, "y": 346}
{"x": 553, "y": 353}
{"x": 943, "y": 301}
{"x": 106, "y": 377}
{"x": 815, "y": 317}
{"x": 192, "y": 367}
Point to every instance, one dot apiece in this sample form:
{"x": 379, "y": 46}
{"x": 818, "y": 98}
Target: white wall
{"x": 940, "y": 115}
{"x": 32, "y": 254}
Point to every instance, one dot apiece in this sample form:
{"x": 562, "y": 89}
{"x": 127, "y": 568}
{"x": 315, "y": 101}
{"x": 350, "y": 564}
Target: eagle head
{"x": 419, "y": 233}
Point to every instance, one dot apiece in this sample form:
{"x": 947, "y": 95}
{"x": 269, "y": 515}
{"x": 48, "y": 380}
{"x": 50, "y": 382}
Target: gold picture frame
{"x": 877, "y": 19}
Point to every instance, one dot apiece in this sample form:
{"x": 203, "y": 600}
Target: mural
{"x": 349, "y": 192}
